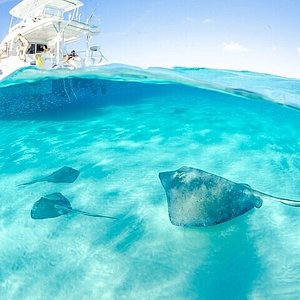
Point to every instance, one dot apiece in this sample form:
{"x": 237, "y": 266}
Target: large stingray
{"x": 55, "y": 205}
{"x": 199, "y": 198}
{"x": 64, "y": 175}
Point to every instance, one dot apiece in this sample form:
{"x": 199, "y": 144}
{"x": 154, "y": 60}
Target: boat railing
{"x": 5, "y": 51}
{"x": 53, "y": 12}
{"x": 18, "y": 26}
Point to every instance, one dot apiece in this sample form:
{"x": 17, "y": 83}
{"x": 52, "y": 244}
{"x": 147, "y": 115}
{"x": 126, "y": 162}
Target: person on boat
{"x": 46, "y": 53}
{"x": 45, "y": 49}
{"x": 24, "y": 45}
{"x": 46, "y": 56}
{"x": 39, "y": 60}
{"x": 71, "y": 56}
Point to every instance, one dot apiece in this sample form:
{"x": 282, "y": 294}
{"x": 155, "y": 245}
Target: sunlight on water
{"x": 120, "y": 133}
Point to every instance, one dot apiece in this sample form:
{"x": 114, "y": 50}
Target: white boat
{"x": 39, "y": 32}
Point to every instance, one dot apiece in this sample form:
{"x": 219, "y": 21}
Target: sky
{"x": 254, "y": 35}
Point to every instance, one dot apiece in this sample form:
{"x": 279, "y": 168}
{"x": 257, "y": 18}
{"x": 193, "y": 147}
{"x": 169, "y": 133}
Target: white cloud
{"x": 189, "y": 19}
{"x": 207, "y": 21}
{"x": 274, "y": 48}
{"x": 298, "y": 49}
{"x": 234, "y": 47}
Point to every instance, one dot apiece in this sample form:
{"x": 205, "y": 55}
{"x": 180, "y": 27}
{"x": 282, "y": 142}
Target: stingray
{"x": 199, "y": 198}
{"x": 55, "y": 205}
{"x": 63, "y": 175}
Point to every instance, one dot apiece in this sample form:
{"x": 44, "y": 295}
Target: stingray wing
{"x": 199, "y": 198}
{"x": 50, "y": 206}
{"x": 64, "y": 175}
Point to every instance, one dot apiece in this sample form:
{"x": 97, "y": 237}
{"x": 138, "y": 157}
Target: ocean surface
{"x": 120, "y": 126}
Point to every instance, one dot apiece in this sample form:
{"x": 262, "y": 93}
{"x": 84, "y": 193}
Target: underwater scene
{"x": 94, "y": 141}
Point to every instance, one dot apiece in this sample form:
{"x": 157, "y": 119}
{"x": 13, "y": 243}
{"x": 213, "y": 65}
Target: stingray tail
{"x": 29, "y": 183}
{"x": 284, "y": 201}
{"x": 92, "y": 215}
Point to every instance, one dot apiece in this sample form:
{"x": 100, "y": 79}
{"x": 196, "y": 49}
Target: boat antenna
{"x": 90, "y": 17}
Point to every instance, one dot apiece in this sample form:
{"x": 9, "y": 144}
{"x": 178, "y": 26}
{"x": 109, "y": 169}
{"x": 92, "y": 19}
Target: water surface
{"x": 121, "y": 126}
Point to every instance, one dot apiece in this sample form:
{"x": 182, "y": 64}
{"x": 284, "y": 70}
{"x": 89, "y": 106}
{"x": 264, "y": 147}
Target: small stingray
{"x": 199, "y": 198}
{"x": 55, "y": 205}
{"x": 64, "y": 175}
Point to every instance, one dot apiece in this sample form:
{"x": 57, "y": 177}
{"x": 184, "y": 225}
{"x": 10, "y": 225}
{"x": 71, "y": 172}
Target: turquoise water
{"x": 121, "y": 126}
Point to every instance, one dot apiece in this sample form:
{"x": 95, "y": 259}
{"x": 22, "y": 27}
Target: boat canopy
{"x": 46, "y": 31}
{"x": 26, "y": 7}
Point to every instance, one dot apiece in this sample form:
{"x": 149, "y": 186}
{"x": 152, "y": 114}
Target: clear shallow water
{"x": 121, "y": 126}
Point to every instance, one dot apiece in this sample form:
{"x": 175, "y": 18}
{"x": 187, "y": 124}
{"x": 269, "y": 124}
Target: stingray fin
{"x": 246, "y": 185}
{"x": 285, "y": 201}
